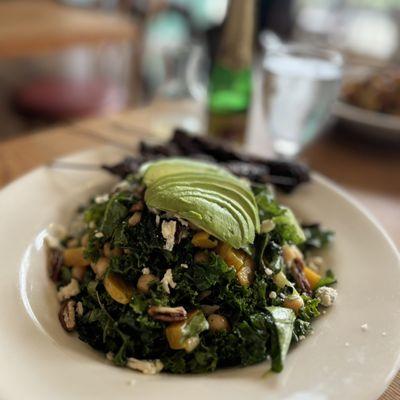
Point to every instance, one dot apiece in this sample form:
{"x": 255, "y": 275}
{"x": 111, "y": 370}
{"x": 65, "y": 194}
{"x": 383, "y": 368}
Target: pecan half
{"x": 297, "y": 271}
{"x": 167, "y": 314}
{"x": 54, "y": 263}
{"x": 66, "y": 315}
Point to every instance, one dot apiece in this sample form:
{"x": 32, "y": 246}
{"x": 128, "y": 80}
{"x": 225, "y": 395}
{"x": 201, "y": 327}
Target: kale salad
{"x": 185, "y": 267}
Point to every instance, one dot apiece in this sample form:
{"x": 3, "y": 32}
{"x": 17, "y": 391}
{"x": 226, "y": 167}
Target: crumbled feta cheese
{"x": 183, "y": 222}
{"x": 157, "y": 220}
{"x": 168, "y": 281}
{"x": 65, "y": 292}
{"x": 146, "y": 271}
{"x": 272, "y": 295}
{"x": 282, "y": 295}
{"x": 267, "y": 226}
{"x": 168, "y": 229}
{"x": 145, "y": 366}
{"x": 56, "y": 232}
{"x": 79, "y": 308}
{"x": 102, "y": 198}
{"x": 269, "y": 271}
{"x": 326, "y": 295}
{"x": 99, "y": 235}
{"x": 185, "y": 266}
{"x": 364, "y": 327}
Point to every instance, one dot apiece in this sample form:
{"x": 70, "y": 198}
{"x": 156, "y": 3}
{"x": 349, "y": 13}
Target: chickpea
{"x": 145, "y": 281}
{"x": 100, "y": 267}
{"x": 85, "y": 240}
{"x": 218, "y": 323}
{"x": 108, "y": 252}
{"x": 135, "y": 219}
{"x": 290, "y": 253}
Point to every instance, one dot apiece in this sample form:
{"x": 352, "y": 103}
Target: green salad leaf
{"x": 282, "y": 330}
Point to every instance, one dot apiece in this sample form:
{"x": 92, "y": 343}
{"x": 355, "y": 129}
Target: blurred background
{"x": 70, "y": 59}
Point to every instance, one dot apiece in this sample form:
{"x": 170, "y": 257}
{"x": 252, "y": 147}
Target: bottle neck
{"x": 236, "y": 45}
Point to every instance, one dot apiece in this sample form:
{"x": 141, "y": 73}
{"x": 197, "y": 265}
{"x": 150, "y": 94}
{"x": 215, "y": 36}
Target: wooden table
{"x": 368, "y": 171}
{"x": 28, "y": 28}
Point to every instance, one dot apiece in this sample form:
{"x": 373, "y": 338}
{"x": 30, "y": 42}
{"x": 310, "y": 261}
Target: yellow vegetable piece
{"x": 294, "y": 302}
{"x": 233, "y": 257}
{"x": 312, "y": 277}
{"x": 202, "y": 240}
{"x": 245, "y": 275}
{"x": 74, "y": 257}
{"x": 117, "y": 288}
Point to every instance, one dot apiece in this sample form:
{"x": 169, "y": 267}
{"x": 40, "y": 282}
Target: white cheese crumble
{"x": 168, "y": 229}
{"x": 364, "y": 327}
{"x": 168, "y": 281}
{"x": 185, "y": 266}
{"x": 65, "y": 292}
{"x": 99, "y": 235}
{"x": 267, "y": 226}
{"x": 157, "y": 220}
{"x": 146, "y": 271}
{"x": 272, "y": 295}
{"x": 269, "y": 271}
{"x": 56, "y": 232}
{"x": 102, "y": 198}
{"x": 326, "y": 295}
{"x": 145, "y": 366}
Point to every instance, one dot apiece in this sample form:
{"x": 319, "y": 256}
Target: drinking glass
{"x": 300, "y": 85}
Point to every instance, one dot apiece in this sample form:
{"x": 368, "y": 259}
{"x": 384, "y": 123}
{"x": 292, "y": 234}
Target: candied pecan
{"x": 66, "y": 315}
{"x": 167, "y": 314}
{"x": 54, "y": 263}
{"x": 297, "y": 271}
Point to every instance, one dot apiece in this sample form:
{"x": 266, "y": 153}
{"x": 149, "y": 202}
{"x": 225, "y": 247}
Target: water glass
{"x": 300, "y": 85}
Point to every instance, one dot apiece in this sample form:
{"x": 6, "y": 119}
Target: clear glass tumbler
{"x": 300, "y": 85}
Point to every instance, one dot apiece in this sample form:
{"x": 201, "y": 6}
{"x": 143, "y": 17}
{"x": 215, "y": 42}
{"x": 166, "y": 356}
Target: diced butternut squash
{"x": 312, "y": 277}
{"x": 74, "y": 257}
{"x": 245, "y": 275}
{"x": 294, "y": 302}
{"x": 233, "y": 257}
{"x": 117, "y": 288}
{"x": 202, "y": 240}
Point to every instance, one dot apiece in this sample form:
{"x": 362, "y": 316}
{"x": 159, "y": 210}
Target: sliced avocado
{"x": 158, "y": 169}
{"x": 246, "y": 226}
{"x": 226, "y": 194}
{"x": 241, "y": 194}
{"x": 205, "y": 214}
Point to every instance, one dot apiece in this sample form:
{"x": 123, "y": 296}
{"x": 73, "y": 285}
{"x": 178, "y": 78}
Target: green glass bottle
{"x": 230, "y": 86}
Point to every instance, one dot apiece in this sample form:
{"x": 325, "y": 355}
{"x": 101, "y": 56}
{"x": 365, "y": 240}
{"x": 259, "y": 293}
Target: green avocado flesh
{"x": 206, "y": 195}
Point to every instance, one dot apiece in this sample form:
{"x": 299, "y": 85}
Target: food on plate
{"x": 379, "y": 92}
{"x": 185, "y": 267}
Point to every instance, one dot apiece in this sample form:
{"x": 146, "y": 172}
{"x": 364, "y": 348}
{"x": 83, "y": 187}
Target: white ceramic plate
{"x": 40, "y": 361}
{"x": 368, "y": 123}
